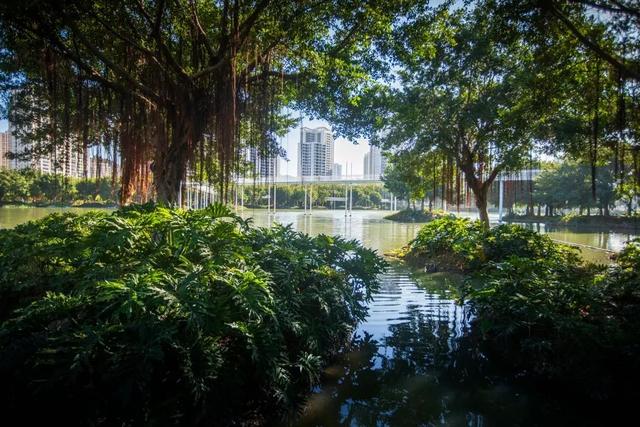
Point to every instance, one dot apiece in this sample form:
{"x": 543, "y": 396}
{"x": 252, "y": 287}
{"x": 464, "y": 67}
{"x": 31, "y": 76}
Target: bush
{"x": 158, "y": 316}
{"x": 462, "y": 244}
{"x": 539, "y": 309}
{"x": 412, "y": 215}
{"x": 453, "y": 243}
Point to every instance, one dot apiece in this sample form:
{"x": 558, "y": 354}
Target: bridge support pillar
{"x": 346, "y": 189}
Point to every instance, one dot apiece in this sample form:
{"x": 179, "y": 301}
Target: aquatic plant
{"x": 156, "y": 316}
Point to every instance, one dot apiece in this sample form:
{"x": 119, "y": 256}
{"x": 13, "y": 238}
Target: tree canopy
{"x": 166, "y": 83}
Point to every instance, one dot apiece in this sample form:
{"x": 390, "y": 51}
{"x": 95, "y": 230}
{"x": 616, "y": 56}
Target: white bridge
{"x": 308, "y": 180}
{"x": 199, "y": 195}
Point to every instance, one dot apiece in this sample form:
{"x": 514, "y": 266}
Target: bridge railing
{"x": 312, "y": 179}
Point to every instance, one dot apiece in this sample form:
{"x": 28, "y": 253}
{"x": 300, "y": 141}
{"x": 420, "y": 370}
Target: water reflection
{"x": 405, "y": 363}
{"x": 414, "y": 362}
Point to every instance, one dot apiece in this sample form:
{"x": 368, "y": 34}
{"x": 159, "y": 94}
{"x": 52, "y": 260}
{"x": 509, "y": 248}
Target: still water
{"x": 412, "y": 363}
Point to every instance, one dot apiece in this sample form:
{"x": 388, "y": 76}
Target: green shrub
{"x": 532, "y": 313}
{"x": 158, "y": 316}
{"x": 459, "y": 243}
{"x": 538, "y": 308}
{"x": 454, "y": 242}
{"x": 413, "y": 215}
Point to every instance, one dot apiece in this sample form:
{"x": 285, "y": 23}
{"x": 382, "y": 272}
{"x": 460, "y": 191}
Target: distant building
{"x": 5, "y": 147}
{"x": 99, "y": 166}
{"x": 315, "y": 154}
{"x": 374, "y": 163}
{"x": 264, "y": 166}
{"x": 337, "y": 170}
{"x": 65, "y": 159}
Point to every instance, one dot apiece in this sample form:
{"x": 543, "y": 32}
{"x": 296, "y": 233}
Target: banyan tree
{"x": 180, "y": 84}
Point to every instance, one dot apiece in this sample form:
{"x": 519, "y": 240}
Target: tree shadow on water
{"x": 426, "y": 371}
{"x": 408, "y": 377}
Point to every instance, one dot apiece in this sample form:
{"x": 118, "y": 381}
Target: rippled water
{"x": 412, "y": 363}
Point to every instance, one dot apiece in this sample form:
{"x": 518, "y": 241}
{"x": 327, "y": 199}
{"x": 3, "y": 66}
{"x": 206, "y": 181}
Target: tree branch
{"x": 618, "y": 7}
{"x": 593, "y": 46}
{"x": 113, "y": 66}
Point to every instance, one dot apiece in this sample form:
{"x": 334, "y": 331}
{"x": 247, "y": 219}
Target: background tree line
{"x": 27, "y": 186}
{"x": 292, "y": 196}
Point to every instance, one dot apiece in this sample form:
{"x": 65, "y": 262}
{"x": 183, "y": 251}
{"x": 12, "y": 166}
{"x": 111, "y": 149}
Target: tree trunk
{"x": 481, "y": 203}
{"x": 480, "y": 189}
{"x": 170, "y": 167}
{"x": 169, "y": 172}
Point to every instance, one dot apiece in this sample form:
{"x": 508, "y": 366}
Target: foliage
{"x": 539, "y": 310}
{"x": 150, "y": 314}
{"x": 292, "y": 195}
{"x": 453, "y": 242}
{"x": 548, "y": 318}
{"x": 28, "y": 186}
{"x": 465, "y": 94}
{"x": 13, "y": 185}
{"x": 209, "y": 78}
{"x": 463, "y": 244}
{"x": 628, "y": 193}
{"x": 410, "y": 215}
{"x": 568, "y": 186}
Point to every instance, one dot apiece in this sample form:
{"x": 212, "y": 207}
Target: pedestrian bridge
{"x": 522, "y": 175}
{"x": 308, "y": 180}
{"x": 202, "y": 194}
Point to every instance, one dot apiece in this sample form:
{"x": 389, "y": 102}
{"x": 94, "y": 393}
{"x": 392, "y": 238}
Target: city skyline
{"x": 347, "y": 154}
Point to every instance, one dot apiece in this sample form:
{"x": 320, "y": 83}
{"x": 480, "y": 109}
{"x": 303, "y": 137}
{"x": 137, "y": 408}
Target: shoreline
{"x": 592, "y": 223}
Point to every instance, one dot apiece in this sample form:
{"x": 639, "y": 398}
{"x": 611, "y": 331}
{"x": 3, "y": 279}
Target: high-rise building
{"x": 102, "y": 165}
{"x": 5, "y": 147}
{"x": 64, "y": 159}
{"x": 264, "y": 166}
{"x": 315, "y": 152}
{"x": 374, "y": 163}
{"x": 337, "y": 170}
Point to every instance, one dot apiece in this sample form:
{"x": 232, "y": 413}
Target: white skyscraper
{"x": 264, "y": 166}
{"x": 315, "y": 154}
{"x": 66, "y": 160}
{"x": 337, "y": 170}
{"x": 374, "y": 163}
{"x": 5, "y": 147}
